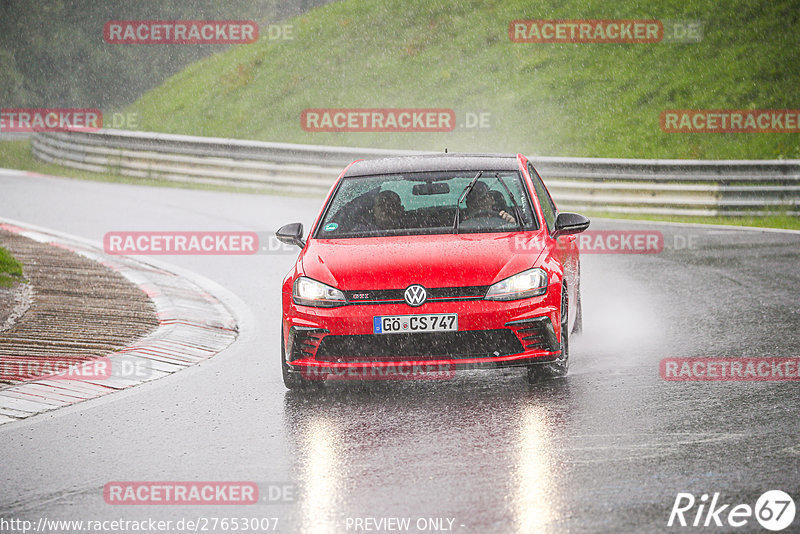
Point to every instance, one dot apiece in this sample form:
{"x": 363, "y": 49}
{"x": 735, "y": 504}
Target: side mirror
{"x": 570, "y": 223}
{"x": 291, "y": 234}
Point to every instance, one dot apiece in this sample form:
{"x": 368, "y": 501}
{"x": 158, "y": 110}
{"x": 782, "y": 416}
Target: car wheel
{"x": 557, "y": 368}
{"x": 293, "y": 379}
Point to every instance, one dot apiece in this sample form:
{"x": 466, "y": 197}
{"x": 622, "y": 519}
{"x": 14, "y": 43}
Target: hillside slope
{"x": 574, "y": 99}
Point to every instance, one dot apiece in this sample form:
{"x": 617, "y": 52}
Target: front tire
{"x": 557, "y": 368}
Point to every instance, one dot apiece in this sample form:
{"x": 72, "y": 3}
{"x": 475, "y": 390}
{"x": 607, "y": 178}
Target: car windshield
{"x": 426, "y": 203}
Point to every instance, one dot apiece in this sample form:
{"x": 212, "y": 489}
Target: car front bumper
{"x": 490, "y": 334}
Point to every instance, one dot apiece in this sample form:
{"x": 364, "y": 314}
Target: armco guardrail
{"x": 670, "y": 187}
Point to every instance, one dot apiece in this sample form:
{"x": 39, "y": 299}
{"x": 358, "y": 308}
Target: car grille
{"x": 384, "y": 296}
{"x": 431, "y": 345}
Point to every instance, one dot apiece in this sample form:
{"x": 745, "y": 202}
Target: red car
{"x": 429, "y": 262}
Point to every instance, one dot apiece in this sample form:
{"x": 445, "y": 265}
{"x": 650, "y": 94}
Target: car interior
{"x": 356, "y": 217}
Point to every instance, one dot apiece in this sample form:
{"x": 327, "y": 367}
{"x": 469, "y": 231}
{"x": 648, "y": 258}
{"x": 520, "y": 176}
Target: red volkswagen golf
{"x": 430, "y": 262}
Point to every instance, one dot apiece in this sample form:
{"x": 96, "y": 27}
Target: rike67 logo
{"x": 774, "y": 510}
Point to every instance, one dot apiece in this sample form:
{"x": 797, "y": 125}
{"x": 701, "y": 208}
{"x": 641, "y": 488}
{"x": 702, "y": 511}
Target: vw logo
{"x": 415, "y": 295}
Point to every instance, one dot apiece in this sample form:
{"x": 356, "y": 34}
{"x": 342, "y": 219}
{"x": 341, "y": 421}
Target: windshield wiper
{"x": 461, "y": 198}
{"x": 517, "y": 210}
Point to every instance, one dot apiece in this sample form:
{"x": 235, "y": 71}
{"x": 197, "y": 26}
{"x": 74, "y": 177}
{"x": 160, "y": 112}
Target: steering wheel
{"x": 485, "y": 214}
{"x": 483, "y": 219}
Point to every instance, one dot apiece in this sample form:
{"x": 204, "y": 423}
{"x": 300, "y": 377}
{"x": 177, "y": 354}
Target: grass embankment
{"x": 577, "y": 99}
{"x": 786, "y": 222}
{"x": 10, "y": 269}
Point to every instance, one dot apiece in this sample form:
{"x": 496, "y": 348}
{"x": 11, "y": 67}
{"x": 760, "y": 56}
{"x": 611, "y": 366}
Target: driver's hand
{"x": 507, "y": 217}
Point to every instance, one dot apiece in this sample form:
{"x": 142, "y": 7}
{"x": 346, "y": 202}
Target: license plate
{"x": 402, "y": 324}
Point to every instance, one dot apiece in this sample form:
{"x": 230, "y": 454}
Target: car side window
{"x": 548, "y": 207}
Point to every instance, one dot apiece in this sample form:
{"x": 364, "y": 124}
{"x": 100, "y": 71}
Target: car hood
{"x": 396, "y": 262}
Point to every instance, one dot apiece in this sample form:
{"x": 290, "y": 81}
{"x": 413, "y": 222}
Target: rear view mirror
{"x": 431, "y": 188}
{"x": 291, "y": 234}
{"x": 570, "y": 223}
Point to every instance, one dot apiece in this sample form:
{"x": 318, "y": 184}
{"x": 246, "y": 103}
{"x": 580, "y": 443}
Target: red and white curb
{"x": 195, "y": 323}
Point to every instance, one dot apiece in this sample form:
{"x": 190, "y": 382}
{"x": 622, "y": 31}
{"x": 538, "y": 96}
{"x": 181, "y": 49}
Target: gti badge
{"x": 415, "y": 295}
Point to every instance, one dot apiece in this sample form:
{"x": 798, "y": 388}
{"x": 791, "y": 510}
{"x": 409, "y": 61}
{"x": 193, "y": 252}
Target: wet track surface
{"x": 605, "y": 450}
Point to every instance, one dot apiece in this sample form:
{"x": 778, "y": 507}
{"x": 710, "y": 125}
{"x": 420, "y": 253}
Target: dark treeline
{"x": 52, "y": 52}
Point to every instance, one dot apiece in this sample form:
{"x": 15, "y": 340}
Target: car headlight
{"x": 530, "y": 283}
{"x": 308, "y": 292}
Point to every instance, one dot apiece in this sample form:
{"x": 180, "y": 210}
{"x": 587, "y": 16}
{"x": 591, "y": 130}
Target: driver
{"x": 483, "y": 203}
{"x": 388, "y": 211}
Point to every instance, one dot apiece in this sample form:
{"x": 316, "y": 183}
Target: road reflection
{"x": 320, "y": 476}
{"x": 478, "y": 449}
{"x": 531, "y": 507}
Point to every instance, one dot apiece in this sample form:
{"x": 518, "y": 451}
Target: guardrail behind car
{"x": 666, "y": 187}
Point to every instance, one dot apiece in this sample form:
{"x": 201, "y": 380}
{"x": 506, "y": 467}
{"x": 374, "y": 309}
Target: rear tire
{"x": 557, "y": 368}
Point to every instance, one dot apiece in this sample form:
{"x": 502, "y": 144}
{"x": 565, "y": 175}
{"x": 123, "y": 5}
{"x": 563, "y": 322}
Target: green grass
{"x": 786, "y": 222}
{"x": 16, "y": 155}
{"x": 10, "y": 269}
{"x": 596, "y": 100}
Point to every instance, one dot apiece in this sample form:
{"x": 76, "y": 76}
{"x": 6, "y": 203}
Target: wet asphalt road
{"x": 605, "y": 450}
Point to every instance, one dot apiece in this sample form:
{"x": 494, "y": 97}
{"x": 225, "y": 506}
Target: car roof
{"x": 434, "y": 162}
